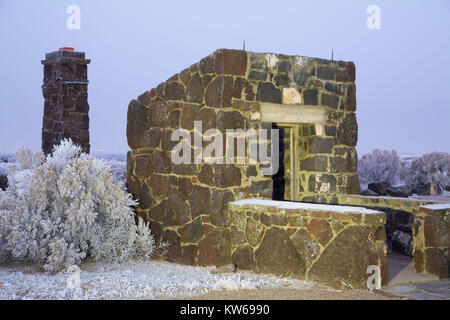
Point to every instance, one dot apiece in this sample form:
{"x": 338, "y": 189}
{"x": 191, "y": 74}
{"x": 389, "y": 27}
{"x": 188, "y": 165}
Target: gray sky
{"x": 402, "y": 69}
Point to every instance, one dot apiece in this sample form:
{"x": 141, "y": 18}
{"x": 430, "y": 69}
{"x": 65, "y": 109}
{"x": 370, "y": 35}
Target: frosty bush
{"x": 378, "y": 166}
{"x": 430, "y": 168}
{"x": 61, "y": 209}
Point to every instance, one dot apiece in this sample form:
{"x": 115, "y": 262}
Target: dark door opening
{"x": 279, "y": 179}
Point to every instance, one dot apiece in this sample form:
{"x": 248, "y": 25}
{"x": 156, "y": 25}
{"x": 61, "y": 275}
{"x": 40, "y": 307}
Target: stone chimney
{"x": 66, "y": 108}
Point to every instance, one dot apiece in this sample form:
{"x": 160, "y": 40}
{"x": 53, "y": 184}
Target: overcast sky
{"x": 402, "y": 69}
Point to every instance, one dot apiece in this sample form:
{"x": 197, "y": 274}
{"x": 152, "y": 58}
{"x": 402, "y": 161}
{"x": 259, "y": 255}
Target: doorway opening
{"x": 288, "y": 119}
{"x": 400, "y": 252}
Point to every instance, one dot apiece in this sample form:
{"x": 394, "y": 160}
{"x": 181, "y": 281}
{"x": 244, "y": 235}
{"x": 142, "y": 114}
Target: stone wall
{"x": 330, "y": 244}
{"x": 432, "y": 240}
{"x": 430, "y": 227}
{"x": 187, "y": 203}
{"x": 394, "y": 203}
{"x": 65, "y": 93}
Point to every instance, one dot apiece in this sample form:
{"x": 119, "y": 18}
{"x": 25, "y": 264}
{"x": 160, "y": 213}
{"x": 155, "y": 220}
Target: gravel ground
{"x": 316, "y": 292}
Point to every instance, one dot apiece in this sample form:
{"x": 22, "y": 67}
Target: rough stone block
{"x": 329, "y": 100}
{"x": 347, "y": 133}
{"x": 321, "y": 230}
{"x": 333, "y": 87}
{"x": 174, "y": 249}
{"x": 191, "y": 232}
{"x": 195, "y": 90}
{"x": 267, "y": 92}
{"x": 282, "y": 80}
{"x": 227, "y": 175}
{"x": 316, "y": 163}
{"x": 320, "y": 145}
{"x": 232, "y": 62}
{"x": 345, "y": 259}
{"x": 306, "y": 246}
{"x": 200, "y": 201}
{"x": 326, "y": 72}
{"x": 177, "y": 211}
{"x": 350, "y": 99}
{"x": 337, "y": 164}
{"x": 237, "y": 237}
{"x": 261, "y": 188}
{"x": 243, "y": 258}
{"x": 254, "y": 231}
{"x": 215, "y": 248}
{"x": 159, "y": 185}
{"x": 218, "y": 207}
{"x": 277, "y": 255}
{"x": 347, "y": 74}
{"x": 310, "y": 97}
{"x": 219, "y": 92}
{"x": 300, "y": 76}
{"x": 230, "y": 120}
{"x": 137, "y": 125}
{"x": 436, "y": 263}
{"x": 257, "y": 75}
{"x": 291, "y": 96}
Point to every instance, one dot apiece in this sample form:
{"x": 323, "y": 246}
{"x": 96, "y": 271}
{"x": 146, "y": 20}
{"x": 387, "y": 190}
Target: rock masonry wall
{"x": 430, "y": 228}
{"x": 330, "y": 244}
{"x": 432, "y": 240}
{"x": 187, "y": 204}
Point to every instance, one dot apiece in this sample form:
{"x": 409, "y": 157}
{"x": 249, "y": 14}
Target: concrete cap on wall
{"x": 65, "y": 55}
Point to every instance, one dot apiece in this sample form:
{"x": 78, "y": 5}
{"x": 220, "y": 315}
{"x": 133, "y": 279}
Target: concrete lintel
{"x": 292, "y": 113}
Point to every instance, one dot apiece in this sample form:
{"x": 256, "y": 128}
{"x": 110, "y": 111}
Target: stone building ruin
{"x": 307, "y": 220}
{"x": 312, "y": 102}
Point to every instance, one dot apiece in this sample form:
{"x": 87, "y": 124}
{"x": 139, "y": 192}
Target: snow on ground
{"x": 304, "y": 206}
{"x": 131, "y": 280}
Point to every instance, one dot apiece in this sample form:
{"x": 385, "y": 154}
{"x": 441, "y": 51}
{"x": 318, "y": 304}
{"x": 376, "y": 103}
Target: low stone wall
{"x": 432, "y": 240}
{"x": 431, "y": 229}
{"x": 401, "y": 204}
{"x": 330, "y": 244}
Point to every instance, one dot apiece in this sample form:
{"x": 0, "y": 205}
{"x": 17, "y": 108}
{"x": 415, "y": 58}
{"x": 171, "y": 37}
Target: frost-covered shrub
{"x": 430, "y": 168}
{"x": 378, "y": 166}
{"x": 118, "y": 169}
{"x": 61, "y": 209}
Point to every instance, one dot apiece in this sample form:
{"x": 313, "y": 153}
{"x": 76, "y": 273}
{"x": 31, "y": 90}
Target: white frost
{"x": 132, "y": 280}
{"x": 440, "y": 206}
{"x": 305, "y": 206}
